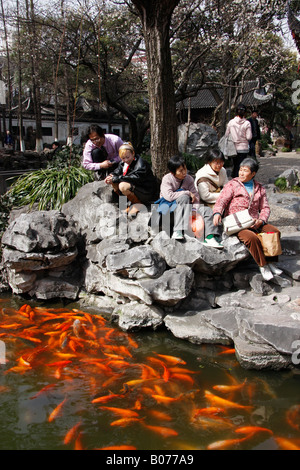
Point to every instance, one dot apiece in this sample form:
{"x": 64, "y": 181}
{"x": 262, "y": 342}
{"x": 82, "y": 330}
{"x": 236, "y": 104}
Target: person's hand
{"x": 193, "y": 197}
{"x": 106, "y": 164}
{"x": 257, "y": 223}
{"x": 217, "y": 220}
{"x": 108, "y": 179}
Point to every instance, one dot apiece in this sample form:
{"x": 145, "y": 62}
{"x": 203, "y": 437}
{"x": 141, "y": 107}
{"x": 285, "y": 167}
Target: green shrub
{"x": 49, "y": 188}
{"x": 281, "y": 183}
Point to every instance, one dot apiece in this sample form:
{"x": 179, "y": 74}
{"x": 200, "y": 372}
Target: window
{"x": 47, "y": 131}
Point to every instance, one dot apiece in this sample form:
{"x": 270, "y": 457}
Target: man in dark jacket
{"x": 133, "y": 178}
{"x": 255, "y": 133}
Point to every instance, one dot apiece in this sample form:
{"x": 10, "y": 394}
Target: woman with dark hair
{"x": 240, "y": 130}
{"x": 101, "y": 151}
{"x": 246, "y": 193}
{"x": 177, "y": 186}
{"x": 211, "y": 178}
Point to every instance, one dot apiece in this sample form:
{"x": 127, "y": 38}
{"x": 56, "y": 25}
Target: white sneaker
{"x": 266, "y": 272}
{"x": 178, "y": 235}
{"x": 213, "y": 242}
{"x": 274, "y": 269}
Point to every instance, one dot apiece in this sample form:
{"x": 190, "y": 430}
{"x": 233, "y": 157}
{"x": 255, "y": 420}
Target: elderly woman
{"x": 242, "y": 193}
{"x": 133, "y": 178}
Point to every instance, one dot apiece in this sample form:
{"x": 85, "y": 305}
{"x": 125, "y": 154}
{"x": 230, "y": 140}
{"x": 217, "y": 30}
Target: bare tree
{"x": 156, "y": 18}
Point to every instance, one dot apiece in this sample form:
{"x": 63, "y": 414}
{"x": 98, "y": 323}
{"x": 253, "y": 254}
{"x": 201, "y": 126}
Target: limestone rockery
{"x": 91, "y": 252}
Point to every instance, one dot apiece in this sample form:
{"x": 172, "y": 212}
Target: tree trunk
{"x": 20, "y": 111}
{"x": 156, "y": 18}
{"x": 8, "y": 69}
{"x": 35, "y": 75}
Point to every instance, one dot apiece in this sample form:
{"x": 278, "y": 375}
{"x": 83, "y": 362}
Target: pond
{"x": 71, "y": 379}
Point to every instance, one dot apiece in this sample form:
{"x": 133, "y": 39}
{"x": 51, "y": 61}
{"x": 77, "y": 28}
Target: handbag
{"x": 233, "y": 223}
{"x": 227, "y": 146}
{"x": 270, "y": 243}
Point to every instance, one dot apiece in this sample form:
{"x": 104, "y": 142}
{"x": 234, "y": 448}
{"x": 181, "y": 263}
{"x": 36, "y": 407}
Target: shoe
{"x": 274, "y": 269}
{"x": 213, "y": 242}
{"x": 133, "y": 211}
{"x": 178, "y": 235}
{"x": 266, "y": 272}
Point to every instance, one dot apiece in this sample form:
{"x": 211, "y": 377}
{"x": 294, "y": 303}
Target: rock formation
{"x": 91, "y": 252}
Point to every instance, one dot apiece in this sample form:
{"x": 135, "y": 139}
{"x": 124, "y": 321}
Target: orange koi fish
{"x": 183, "y": 377}
{"x": 225, "y": 444}
{"x": 125, "y": 421}
{"x": 106, "y": 398}
{"x": 78, "y": 443}
{"x": 252, "y": 430}
{"x": 218, "y": 401}
{"x": 229, "y": 388}
{"x": 72, "y": 433}
{"x": 59, "y": 364}
{"x": 171, "y": 359}
{"x": 43, "y": 390}
{"x": 227, "y": 351}
{"x": 166, "y": 374}
{"x": 163, "y": 399}
{"x": 56, "y": 412}
{"x": 209, "y": 411}
{"x": 160, "y": 415}
{"x": 163, "y": 431}
{"x": 286, "y": 444}
{"x": 121, "y": 411}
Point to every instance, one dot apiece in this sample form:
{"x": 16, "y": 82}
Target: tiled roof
{"x": 205, "y": 99}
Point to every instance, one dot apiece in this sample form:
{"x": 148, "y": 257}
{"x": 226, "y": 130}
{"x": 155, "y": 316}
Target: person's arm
{"x": 168, "y": 189}
{"x": 87, "y": 161}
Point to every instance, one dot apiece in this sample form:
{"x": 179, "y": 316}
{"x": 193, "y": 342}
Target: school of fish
{"x": 152, "y": 394}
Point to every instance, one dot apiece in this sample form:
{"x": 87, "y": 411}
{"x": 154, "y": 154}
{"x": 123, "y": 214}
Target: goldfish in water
{"x": 223, "y": 403}
{"x": 72, "y": 433}
{"x": 286, "y": 444}
{"x": 43, "y": 390}
{"x": 120, "y": 411}
{"x": 106, "y": 398}
{"x": 125, "y": 421}
{"x": 171, "y": 359}
{"x": 229, "y": 388}
{"x": 56, "y": 412}
{"x": 252, "y": 430}
{"x": 163, "y": 431}
{"x": 225, "y": 444}
{"x": 209, "y": 411}
{"x": 163, "y": 399}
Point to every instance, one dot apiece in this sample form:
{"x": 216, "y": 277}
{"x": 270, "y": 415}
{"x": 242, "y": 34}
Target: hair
{"x": 95, "y": 128}
{"x": 213, "y": 155}
{"x": 251, "y": 163}
{"x": 175, "y": 162}
{"x": 124, "y": 147}
{"x": 241, "y": 109}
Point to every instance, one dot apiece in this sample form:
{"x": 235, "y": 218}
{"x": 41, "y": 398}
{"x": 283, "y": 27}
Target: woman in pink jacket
{"x": 240, "y": 130}
{"x": 246, "y": 193}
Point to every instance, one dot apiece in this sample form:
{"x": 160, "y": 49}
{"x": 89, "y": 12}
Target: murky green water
{"x": 164, "y": 400}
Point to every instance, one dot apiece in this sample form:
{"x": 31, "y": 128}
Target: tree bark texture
{"x": 156, "y": 17}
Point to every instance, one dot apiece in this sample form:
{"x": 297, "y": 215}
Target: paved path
{"x": 271, "y": 167}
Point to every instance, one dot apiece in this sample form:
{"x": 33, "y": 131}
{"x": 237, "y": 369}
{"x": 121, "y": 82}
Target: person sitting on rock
{"x": 101, "y": 152}
{"x": 211, "y": 178}
{"x": 133, "y": 178}
{"x": 179, "y": 187}
{"x": 242, "y": 193}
